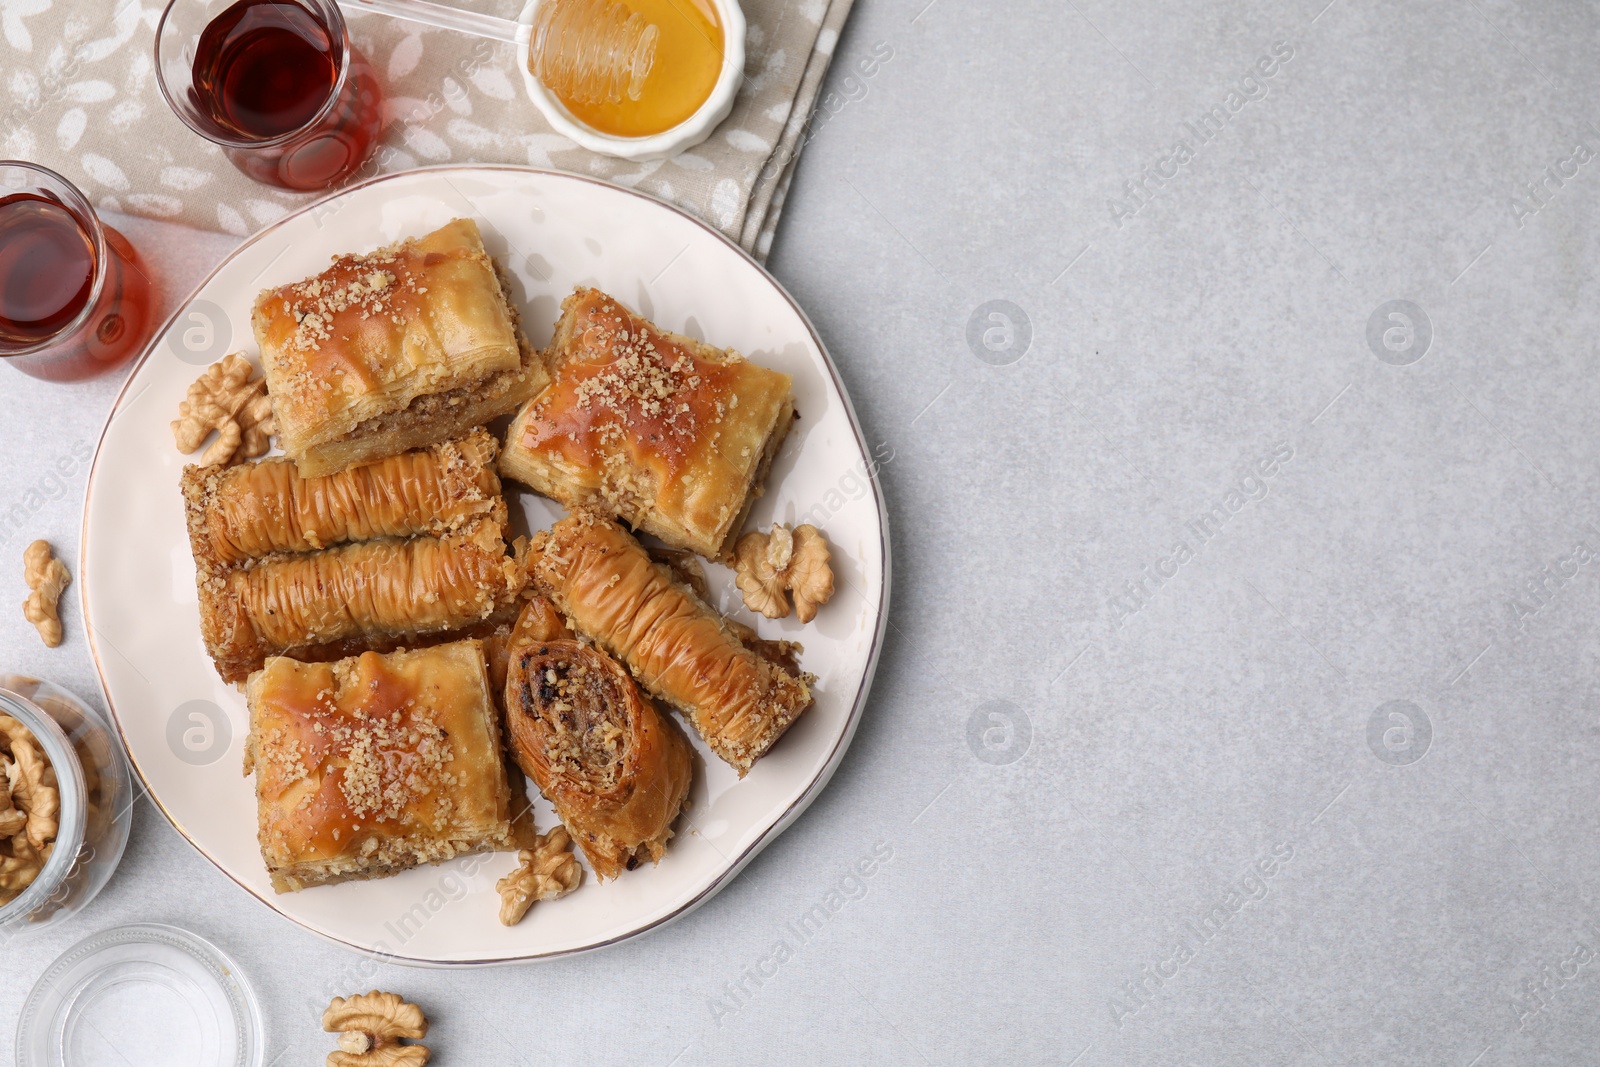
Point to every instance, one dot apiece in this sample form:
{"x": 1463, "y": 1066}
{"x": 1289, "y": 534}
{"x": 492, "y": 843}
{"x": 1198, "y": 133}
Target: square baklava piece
{"x": 374, "y": 764}
{"x": 669, "y": 434}
{"x": 392, "y": 350}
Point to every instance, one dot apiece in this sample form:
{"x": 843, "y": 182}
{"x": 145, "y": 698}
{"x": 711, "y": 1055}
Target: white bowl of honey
{"x": 637, "y": 79}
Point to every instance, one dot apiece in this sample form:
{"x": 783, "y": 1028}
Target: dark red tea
{"x": 46, "y": 269}
{"x": 47, "y": 276}
{"x": 263, "y": 68}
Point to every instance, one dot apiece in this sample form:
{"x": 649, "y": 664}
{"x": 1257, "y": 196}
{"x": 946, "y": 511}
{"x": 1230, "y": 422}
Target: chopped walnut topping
{"x": 369, "y": 284}
{"x": 627, "y": 377}
{"x": 375, "y": 783}
{"x": 282, "y": 756}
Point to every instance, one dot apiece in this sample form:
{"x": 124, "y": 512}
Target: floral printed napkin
{"x": 78, "y": 94}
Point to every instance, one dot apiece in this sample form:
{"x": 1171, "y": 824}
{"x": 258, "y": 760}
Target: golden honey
{"x": 591, "y": 56}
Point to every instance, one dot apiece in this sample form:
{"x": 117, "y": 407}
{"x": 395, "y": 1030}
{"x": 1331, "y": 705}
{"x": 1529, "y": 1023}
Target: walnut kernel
{"x": 810, "y": 575}
{"x": 226, "y": 399}
{"x": 46, "y": 577}
{"x": 33, "y": 793}
{"x": 370, "y": 1027}
{"x": 544, "y": 872}
{"x": 770, "y": 566}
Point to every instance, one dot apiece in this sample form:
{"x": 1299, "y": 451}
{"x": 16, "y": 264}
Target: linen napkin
{"x": 78, "y": 94}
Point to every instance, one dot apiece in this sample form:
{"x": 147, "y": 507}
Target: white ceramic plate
{"x": 552, "y": 231}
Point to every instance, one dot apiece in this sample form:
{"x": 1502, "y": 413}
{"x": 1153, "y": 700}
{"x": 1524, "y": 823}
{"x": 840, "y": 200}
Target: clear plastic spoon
{"x": 444, "y": 18}
{"x": 589, "y": 50}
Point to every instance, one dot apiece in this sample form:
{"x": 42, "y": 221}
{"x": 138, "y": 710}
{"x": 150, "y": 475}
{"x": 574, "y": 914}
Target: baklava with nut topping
{"x": 370, "y": 765}
{"x": 671, "y": 435}
{"x": 739, "y": 692}
{"x": 391, "y": 350}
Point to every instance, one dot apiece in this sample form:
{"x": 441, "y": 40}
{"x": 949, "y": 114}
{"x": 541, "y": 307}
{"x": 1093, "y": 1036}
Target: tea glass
{"x": 325, "y": 149}
{"x": 115, "y": 320}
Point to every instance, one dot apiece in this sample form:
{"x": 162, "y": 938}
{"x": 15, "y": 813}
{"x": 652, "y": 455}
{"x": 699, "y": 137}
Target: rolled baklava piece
{"x": 405, "y": 550}
{"x": 266, "y": 507}
{"x": 370, "y": 594}
{"x": 614, "y": 768}
{"x": 739, "y": 693}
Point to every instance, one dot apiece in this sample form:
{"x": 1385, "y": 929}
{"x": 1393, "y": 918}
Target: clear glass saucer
{"x": 141, "y": 995}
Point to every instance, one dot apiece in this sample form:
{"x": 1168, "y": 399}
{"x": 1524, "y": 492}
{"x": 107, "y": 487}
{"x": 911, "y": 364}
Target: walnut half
{"x": 46, "y": 577}
{"x": 370, "y": 1026}
{"x": 544, "y": 872}
{"x": 228, "y": 400}
{"x": 771, "y": 566}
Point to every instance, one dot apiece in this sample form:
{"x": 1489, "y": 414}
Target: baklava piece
{"x": 739, "y": 693}
{"x": 669, "y": 434}
{"x": 367, "y": 766}
{"x": 388, "y": 351}
{"x": 258, "y": 509}
{"x": 615, "y": 769}
{"x": 399, "y": 551}
{"x": 379, "y": 593}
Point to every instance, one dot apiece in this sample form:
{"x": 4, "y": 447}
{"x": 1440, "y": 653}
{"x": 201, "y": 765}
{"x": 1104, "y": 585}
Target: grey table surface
{"x": 1240, "y": 704}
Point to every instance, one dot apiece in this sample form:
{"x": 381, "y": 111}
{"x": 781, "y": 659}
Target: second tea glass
{"x": 319, "y": 152}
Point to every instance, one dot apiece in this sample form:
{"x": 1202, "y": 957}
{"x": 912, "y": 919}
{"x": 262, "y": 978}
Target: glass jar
{"x": 96, "y": 803}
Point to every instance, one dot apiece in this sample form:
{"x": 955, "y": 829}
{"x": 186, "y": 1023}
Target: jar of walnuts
{"x": 66, "y": 803}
